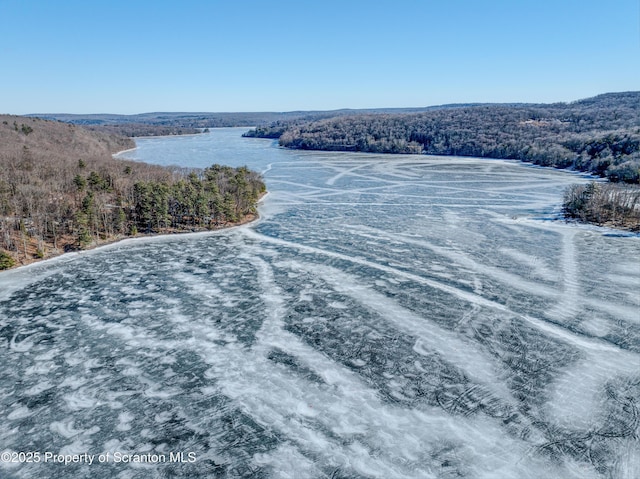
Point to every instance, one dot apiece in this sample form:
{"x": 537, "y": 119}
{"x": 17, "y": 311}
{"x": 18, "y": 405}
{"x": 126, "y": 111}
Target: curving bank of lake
{"x": 392, "y": 316}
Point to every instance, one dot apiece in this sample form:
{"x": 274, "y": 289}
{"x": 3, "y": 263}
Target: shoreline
{"x": 32, "y": 262}
{"x": 114, "y": 155}
{"x": 29, "y": 245}
{"x": 134, "y": 138}
{"x": 117, "y": 153}
{"x": 625, "y": 226}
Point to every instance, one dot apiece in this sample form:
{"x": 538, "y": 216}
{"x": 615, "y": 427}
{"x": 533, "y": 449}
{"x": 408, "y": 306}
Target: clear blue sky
{"x": 133, "y": 56}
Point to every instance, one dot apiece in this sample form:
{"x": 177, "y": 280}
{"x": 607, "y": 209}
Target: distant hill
{"x": 600, "y": 135}
{"x": 181, "y": 123}
{"x": 221, "y": 119}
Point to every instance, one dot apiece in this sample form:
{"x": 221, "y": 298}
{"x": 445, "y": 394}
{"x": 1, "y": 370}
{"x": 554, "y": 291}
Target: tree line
{"x": 60, "y": 189}
{"x": 604, "y": 204}
{"x": 141, "y": 129}
{"x": 600, "y": 135}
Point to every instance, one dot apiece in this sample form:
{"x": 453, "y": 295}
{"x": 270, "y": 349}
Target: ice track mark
{"x": 345, "y": 172}
{"x": 432, "y": 337}
{"x": 567, "y": 307}
{"x": 548, "y": 327}
{"x": 465, "y": 260}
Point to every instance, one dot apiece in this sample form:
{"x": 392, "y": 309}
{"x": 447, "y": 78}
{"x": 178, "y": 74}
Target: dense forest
{"x": 60, "y": 189}
{"x": 213, "y": 120}
{"x": 142, "y": 129}
{"x": 600, "y": 135}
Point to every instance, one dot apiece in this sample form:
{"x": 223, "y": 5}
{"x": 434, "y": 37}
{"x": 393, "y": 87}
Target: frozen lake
{"x": 390, "y": 316}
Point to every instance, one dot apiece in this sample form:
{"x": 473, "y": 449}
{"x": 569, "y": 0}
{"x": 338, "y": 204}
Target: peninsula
{"x": 61, "y": 190}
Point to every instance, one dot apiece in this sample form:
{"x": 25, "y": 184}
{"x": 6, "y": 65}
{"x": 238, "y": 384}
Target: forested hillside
{"x": 176, "y": 123}
{"x": 141, "y": 129}
{"x": 60, "y": 189}
{"x": 600, "y": 135}
{"x": 212, "y": 119}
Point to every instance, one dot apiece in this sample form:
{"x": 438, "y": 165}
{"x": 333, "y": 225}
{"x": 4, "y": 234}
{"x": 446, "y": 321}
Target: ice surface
{"x": 389, "y": 316}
